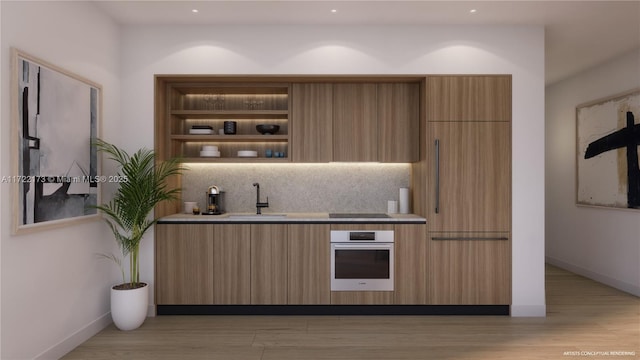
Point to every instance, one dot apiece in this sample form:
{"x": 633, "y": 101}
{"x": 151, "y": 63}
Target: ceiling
{"x": 578, "y": 34}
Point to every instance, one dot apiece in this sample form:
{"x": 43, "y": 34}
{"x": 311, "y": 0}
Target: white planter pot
{"x": 129, "y": 307}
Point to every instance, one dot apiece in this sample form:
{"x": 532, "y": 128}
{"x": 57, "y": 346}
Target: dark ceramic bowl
{"x": 267, "y": 129}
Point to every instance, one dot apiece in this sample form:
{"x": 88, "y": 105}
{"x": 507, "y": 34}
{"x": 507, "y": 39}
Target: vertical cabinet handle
{"x": 437, "y": 176}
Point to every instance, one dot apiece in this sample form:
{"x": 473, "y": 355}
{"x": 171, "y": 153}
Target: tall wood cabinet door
{"x": 309, "y": 264}
{"x": 231, "y": 264}
{"x": 410, "y": 264}
{"x": 469, "y": 98}
{"x": 269, "y": 264}
{"x": 471, "y": 176}
{"x": 469, "y": 272}
{"x": 355, "y": 124}
{"x": 398, "y": 122}
{"x": 184, "y": 264}
{"x": 312, "y": 122}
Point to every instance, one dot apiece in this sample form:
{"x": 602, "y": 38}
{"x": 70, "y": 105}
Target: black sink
{"x": 358, "y": 215}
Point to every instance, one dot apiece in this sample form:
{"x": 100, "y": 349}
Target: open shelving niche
{"x": 213, "y": 104}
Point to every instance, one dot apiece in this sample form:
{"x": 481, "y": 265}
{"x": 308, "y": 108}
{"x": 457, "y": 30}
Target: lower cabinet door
{"x": 309, "y": 273}
{"x": 184, "y": 264}
{"x": 231, "y": 264}
{"x": 269, "y": 264}
{"x": 411, "y": 259}
{"x": 469, "y": 269}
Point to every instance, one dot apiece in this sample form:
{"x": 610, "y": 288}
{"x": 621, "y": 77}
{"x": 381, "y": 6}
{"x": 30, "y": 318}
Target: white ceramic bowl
{"x": 210, "y": 153}
{"x": 247, "y": 153}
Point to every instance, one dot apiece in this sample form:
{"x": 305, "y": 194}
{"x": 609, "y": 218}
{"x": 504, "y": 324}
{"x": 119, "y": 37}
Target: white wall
{"x": 603, "y": 244}
{"x": 55, "y": 293}
{"x": 1, "y": 218}
{"x": 149, "y": 50}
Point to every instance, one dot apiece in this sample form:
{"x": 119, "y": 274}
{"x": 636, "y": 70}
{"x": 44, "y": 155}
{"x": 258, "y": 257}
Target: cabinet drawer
{"x": 468, "y": 269}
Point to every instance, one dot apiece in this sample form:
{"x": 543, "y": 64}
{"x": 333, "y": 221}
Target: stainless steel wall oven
{"x": 362, "y": 260}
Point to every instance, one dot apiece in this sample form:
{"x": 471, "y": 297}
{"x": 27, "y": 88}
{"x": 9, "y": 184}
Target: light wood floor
{"x": 583, "y": 318}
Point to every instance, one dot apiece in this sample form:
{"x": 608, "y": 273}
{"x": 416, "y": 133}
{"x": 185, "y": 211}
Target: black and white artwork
{"x": 57, "y": 164}
{"x": 608, "y": 142}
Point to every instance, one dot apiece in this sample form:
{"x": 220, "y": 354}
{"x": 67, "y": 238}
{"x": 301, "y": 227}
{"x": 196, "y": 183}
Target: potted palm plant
{"x": 143, "y": 185}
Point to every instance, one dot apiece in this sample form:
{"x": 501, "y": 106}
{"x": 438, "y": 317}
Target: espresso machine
{"x": 215, "y": 201}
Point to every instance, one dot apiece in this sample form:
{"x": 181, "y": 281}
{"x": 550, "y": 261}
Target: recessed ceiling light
{"x": 473, "y": 11}
{"x": 334, "y": 10}
{"x": 194, "y": 10}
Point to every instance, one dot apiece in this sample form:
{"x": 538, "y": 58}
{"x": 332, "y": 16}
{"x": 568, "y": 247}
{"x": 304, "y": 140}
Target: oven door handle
{"x": 363, "y": 246}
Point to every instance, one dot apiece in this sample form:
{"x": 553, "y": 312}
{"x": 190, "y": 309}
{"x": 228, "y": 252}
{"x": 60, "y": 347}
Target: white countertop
{"x": 309, "y": 218}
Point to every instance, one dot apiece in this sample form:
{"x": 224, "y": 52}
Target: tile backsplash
{"x": 332, "y": 187}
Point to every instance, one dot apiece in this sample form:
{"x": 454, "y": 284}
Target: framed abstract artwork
{"x": 55, "y": 170}
{"x": 608, "y": 139}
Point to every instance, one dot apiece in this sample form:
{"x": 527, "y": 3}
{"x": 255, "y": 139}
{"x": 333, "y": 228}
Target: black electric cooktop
{"x": 358, "y": 215}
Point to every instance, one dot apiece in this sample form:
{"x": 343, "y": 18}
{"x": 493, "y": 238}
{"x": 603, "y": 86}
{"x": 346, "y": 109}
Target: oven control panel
{"x": 354, "y": 236}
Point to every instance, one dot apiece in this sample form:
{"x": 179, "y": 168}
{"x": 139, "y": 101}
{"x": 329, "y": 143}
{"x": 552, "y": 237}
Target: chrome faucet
{"x": 260, "y": 205}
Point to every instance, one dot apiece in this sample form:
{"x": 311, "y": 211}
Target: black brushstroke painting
{"x": 629, "y": 138}
{"x": 50, "y": 103}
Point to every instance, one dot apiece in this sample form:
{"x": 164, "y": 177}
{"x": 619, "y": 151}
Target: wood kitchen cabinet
{"x": 355, "y": 122}
{"x": 398, "y": 122}
{"x": 469, "y": 147}
{"x": 367, "y": 119}
{"x": 471, "y": 176}
{"x": 231, "y": 264}
{"x": 184, "y": 264}
{"x": 202, "y": 264}
{"x": 309, "y": 264}
{"x": 411, "y": 264}
{"x": 312, "y": 111}
{"x": 269, "y": 248}
{"x": 465, "y": 269}
{"x": 468, "y": 98}
{"x": 183, "y": 102}
{"x": 376, "y": 122}
{"x": 469, "y": 197}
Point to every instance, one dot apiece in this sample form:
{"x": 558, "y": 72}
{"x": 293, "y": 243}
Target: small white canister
{"x": 404, "y": 200}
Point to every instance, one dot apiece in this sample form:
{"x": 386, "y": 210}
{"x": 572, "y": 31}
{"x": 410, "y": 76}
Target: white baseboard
{"x": 604, "y": 279}
{"x": 72, "y": 341}
{"x": 151, "y": 310}
{"x": 528, "y": 310}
